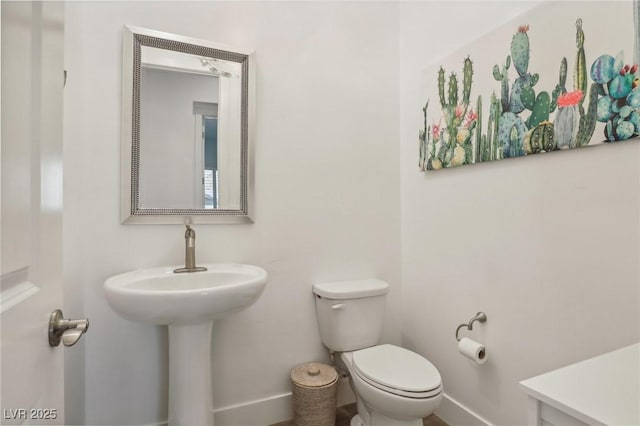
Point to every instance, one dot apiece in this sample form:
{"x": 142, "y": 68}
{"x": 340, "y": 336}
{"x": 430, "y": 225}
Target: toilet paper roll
{"x": 473, "y": 350}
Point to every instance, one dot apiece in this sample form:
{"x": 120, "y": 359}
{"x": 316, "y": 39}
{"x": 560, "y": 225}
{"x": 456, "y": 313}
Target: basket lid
{"x": 313, "y": 374}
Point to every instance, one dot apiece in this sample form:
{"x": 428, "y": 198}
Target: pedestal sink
{"x": 188, "y": 303}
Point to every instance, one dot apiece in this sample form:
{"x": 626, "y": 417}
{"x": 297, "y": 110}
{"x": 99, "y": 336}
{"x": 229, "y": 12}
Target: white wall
{"x": 327, "y": 179}
{"x": 547, "y": 246}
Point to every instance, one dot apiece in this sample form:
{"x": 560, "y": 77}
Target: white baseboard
{"x": 279, "y": 408}
{"x": 455, "y": 413}
{"x": 260, "y": 412}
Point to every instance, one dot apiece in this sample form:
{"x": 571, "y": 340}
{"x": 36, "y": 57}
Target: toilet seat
{"x": 398, "y": 371}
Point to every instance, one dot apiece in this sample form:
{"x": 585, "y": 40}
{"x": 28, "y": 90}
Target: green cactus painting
{"x": 523, "y": 119}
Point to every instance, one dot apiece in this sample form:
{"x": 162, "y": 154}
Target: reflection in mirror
{"x": 186, "y": 133}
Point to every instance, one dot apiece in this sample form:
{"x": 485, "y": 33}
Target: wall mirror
{"x": 187, "y": 130}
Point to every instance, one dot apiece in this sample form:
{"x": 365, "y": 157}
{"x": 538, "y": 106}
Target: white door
{"x": 31, "y": 208}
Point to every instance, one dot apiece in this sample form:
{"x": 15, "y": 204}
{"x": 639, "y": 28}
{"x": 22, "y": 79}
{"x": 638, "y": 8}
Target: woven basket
{"x": 315, "y": 389}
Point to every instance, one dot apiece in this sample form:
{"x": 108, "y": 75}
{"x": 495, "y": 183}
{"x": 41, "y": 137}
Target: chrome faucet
{"x": 190, "y": 253}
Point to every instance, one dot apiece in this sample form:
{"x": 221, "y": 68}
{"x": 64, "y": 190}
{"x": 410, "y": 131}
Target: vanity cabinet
{"x": 604, "y": 390}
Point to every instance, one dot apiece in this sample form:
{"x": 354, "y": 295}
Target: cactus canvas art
{"x": 526, "y": 112}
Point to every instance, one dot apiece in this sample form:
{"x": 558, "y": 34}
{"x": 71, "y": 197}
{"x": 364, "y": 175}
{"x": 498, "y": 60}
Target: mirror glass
{"x": 187, "y": 143}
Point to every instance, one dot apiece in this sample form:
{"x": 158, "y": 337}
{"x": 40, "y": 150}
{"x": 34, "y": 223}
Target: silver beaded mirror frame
{"x": 132, "y": 212}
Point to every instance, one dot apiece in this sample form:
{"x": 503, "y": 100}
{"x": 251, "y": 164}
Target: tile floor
{"x": 344, "y": 414}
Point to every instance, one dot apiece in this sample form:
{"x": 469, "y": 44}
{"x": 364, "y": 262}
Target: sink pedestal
{"x": 188, "y": 304}
{"x": 190, "y": 394}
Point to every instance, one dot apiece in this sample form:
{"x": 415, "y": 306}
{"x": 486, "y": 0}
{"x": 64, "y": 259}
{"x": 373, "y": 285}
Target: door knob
{"x": 69, "y": 331}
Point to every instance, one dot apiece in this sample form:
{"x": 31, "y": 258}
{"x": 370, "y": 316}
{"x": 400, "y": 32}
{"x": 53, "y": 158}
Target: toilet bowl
{"x": 393, "y": 386}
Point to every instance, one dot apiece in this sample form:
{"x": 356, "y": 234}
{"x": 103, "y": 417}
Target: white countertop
{"x": 604, "y": 390}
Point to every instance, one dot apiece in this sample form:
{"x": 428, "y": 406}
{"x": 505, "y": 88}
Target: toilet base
{"x": 356, "y": 421}
{"x": 380, "y": 420}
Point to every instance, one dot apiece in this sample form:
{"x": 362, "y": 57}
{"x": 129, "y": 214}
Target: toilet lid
{"x": 396, "y": 368}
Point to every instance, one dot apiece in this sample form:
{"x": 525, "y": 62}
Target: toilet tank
{"x": 350, "y": 313}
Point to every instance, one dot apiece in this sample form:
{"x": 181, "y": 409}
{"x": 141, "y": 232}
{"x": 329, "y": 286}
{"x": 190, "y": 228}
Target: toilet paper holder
{"x": 480, "y": 317}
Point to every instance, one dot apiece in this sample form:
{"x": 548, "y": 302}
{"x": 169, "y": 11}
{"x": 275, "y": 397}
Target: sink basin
{"x": 188, "y": 303}
{"x": 159, "y": 296}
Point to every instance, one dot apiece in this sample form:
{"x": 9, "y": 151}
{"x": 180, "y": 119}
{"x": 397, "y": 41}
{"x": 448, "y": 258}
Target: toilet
{"x": 393, "y": 386}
